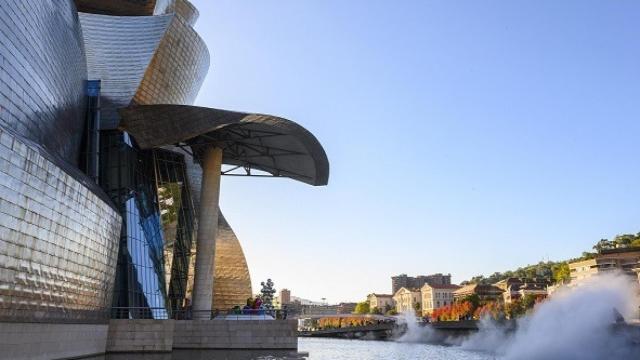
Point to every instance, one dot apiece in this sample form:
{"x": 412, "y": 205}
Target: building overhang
{"x": 267, "y": 143}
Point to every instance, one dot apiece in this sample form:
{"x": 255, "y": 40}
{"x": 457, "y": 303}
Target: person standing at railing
{"x": 257, "y": 305}
{"x": 246, "y": 310}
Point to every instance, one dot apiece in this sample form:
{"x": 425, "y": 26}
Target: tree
{"x": 387, "y": 308}
{"x": 266, "y": 293}
{"x": 472, "y": 299}
{"x": 391, "y": 312}
{"x": 513, "y": 309}
{"x": 585, "y": 256}
{"x": 557, "y": 271}
{"x": 627, "y": 240}
{"x": 417, "y": 307}
{"x": 603, "y": 244}
{"x": 479, "y": 279}
{"x": 491, "y": 309}
{"x": 453, "y": 312}
{"x": 362, "y": 308}
{"x": 528, "y": 301}
{"x": 561, "y": 273}
{"x": 375, "y": 311}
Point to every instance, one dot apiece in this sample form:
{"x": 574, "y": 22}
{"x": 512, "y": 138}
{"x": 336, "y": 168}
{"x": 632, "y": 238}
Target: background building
{"x": 346, "y": 308}
{"x": 484, "y": 292}
{"x": 621, "y": 259}
{"x": 408, "y": 299}
{"x": 517, "y": 288}
{"x": 403, "y": 280}
{"x": 436, "y": 296}
{"x": 382, "y": 302}
{"x": 285, "y": 297}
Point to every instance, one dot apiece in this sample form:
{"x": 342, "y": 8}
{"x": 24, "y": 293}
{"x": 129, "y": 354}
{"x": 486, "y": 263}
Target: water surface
{"x": 340, "y": 349}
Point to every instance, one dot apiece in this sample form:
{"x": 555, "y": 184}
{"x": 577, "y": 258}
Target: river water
{"x": 321, "y": 349}
{"x": 340, "y": 349}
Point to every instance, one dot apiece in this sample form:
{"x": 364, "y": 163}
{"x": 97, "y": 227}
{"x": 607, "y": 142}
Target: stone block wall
{"x": 40, "y": 341}
{"x": 35, "y": 341}
{"x": 241, "y": 334}
{"x": 140, "y": 335}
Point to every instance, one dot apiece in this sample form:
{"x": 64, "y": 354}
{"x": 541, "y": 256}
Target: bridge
{"x": 376, "y": 331}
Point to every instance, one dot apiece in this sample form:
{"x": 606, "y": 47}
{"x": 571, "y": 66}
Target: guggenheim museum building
{"x": 110, "y": 176}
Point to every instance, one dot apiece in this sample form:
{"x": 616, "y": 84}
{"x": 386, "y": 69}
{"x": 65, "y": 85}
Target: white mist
{"x": 414, "y": 332}
{"x": 573, "y": 324}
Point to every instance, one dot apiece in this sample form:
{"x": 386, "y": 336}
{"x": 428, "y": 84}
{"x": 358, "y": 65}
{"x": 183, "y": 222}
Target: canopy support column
{"x": 207, "y": 232}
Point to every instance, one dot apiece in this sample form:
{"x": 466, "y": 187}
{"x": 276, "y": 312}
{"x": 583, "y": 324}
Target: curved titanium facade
{"x": 232, "y": 283}
{"x": 232, "y": 280}
{"x": 58, "y": 231}
{"x": 177, "y": 69}
{"x": 188, "y": 12}
{"x": 275, "y": 145}
{"x": 119, "y": 51}
{"x": 57, "y": 239}
{"x": 43, "y": 74}
{"x": 145, "y": 59}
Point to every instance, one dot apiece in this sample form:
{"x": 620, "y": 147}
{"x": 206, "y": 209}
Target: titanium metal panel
{"x": 178, "y": 68}
{"x": 232, "y": 280}
{"x": 184, "y": 9}
{"x": 58, "y": 238}
{"x": 232, "y": 283}
{"x": 42, "y": 74}
{"x": 119, "y": 50}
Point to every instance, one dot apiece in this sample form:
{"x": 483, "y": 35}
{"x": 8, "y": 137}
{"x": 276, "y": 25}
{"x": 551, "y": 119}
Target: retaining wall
{"x": 40, "y": 341}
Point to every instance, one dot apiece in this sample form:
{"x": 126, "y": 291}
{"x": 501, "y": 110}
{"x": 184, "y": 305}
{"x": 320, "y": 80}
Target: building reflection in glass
{"x": 177, "y": 216}
{"x": 128, "y": 177}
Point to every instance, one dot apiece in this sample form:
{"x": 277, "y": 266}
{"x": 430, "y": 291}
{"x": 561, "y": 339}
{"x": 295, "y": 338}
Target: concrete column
{"x": 207, "y": 232}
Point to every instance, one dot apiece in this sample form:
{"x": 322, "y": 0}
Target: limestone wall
{"x": 242, "y": 334}
{"x": 165, "y": 335}
{"x": 140, "y": 335}
{"x": 35, "y": 341}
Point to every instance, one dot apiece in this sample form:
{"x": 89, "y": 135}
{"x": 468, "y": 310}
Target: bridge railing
{"x": 189, "y": 314}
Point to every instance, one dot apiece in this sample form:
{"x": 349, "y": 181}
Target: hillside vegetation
{"x": 557, "y": 271}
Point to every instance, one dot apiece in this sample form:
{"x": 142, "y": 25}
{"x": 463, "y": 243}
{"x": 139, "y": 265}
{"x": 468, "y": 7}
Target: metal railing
{"x": 189, "y": 314}
{"x": 140, "y": 313}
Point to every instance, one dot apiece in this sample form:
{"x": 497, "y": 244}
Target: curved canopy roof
{"x": 252, "y": 141}
{"x": 117, "y": 7}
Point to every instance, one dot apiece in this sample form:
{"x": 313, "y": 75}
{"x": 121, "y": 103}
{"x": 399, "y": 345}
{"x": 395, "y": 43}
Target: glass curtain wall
{"x": 177, "y": 216}
{"x": 127, "y": 174}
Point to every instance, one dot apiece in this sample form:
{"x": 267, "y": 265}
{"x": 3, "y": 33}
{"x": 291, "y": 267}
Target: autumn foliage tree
{"x": 492, "y": 309}
{"x": 453, "y": 312}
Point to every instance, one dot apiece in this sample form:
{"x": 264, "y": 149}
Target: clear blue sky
{"x": 464, "y": 137}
